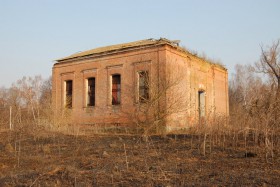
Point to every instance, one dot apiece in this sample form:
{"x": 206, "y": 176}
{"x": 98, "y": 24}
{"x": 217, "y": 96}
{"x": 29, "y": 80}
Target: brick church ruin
{"x": 144, "y": 83}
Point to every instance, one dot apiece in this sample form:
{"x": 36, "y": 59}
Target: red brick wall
{"x": 198, "y": 75}
{"x": 165, "y": 64}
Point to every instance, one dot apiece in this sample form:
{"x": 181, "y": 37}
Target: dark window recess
{"x": 91, "y": 92}
{"x": 116, "y": 89}
{"x": 143, "y": 86}
{"x": 68, "y": 94}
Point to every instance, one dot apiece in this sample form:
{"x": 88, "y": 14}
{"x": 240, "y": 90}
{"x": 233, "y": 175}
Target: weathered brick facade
{"x": 181, "y": 88}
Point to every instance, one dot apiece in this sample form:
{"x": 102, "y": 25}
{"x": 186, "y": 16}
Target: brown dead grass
{"x": 53, "y": 159}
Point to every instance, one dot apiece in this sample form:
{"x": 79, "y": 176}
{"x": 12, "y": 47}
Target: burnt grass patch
{"x": 55, "y": 159}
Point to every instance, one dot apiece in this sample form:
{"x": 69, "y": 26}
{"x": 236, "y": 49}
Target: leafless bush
{"x": 163, "y": 98}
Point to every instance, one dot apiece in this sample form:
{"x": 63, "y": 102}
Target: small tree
{"x": 269, "y": 64}
{"x": 30, "y": 99}
{"x": 155, "y": 100}
{"x": 30, "y": 92}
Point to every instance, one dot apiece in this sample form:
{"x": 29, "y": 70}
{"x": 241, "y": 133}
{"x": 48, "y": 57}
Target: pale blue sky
{"x": 33, "y": 33}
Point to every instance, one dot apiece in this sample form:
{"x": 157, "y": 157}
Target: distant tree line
{"x": 28, "y": 100}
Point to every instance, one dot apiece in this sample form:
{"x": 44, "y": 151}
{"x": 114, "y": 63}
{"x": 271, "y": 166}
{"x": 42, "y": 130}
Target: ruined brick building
{"x": 148, "y": 81}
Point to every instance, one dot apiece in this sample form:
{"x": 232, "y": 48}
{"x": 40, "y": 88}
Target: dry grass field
{"x": 53, "y": 159}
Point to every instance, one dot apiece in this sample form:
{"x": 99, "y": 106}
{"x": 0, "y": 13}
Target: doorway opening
{"x": 201, "y": 104}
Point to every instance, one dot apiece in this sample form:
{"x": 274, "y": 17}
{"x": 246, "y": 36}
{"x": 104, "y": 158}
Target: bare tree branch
{"x": 269, "y": 63}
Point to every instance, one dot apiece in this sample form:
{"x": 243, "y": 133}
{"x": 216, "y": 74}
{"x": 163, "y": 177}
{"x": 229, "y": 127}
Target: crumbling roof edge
{"x": 183, "y": 50}
{"x": 118, "y": 47}
{"x": 107, "y": 50}
{"x": 203, "y": 59}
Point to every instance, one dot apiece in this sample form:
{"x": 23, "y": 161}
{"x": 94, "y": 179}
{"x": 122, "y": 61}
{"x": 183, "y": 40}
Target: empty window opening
{"x": 68, "y": 94}
{"x": 143, "y": 77}
{"x": 91, "y": 92}
{"x": 201, "y": 103}
{"x": 116, "y": 89}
